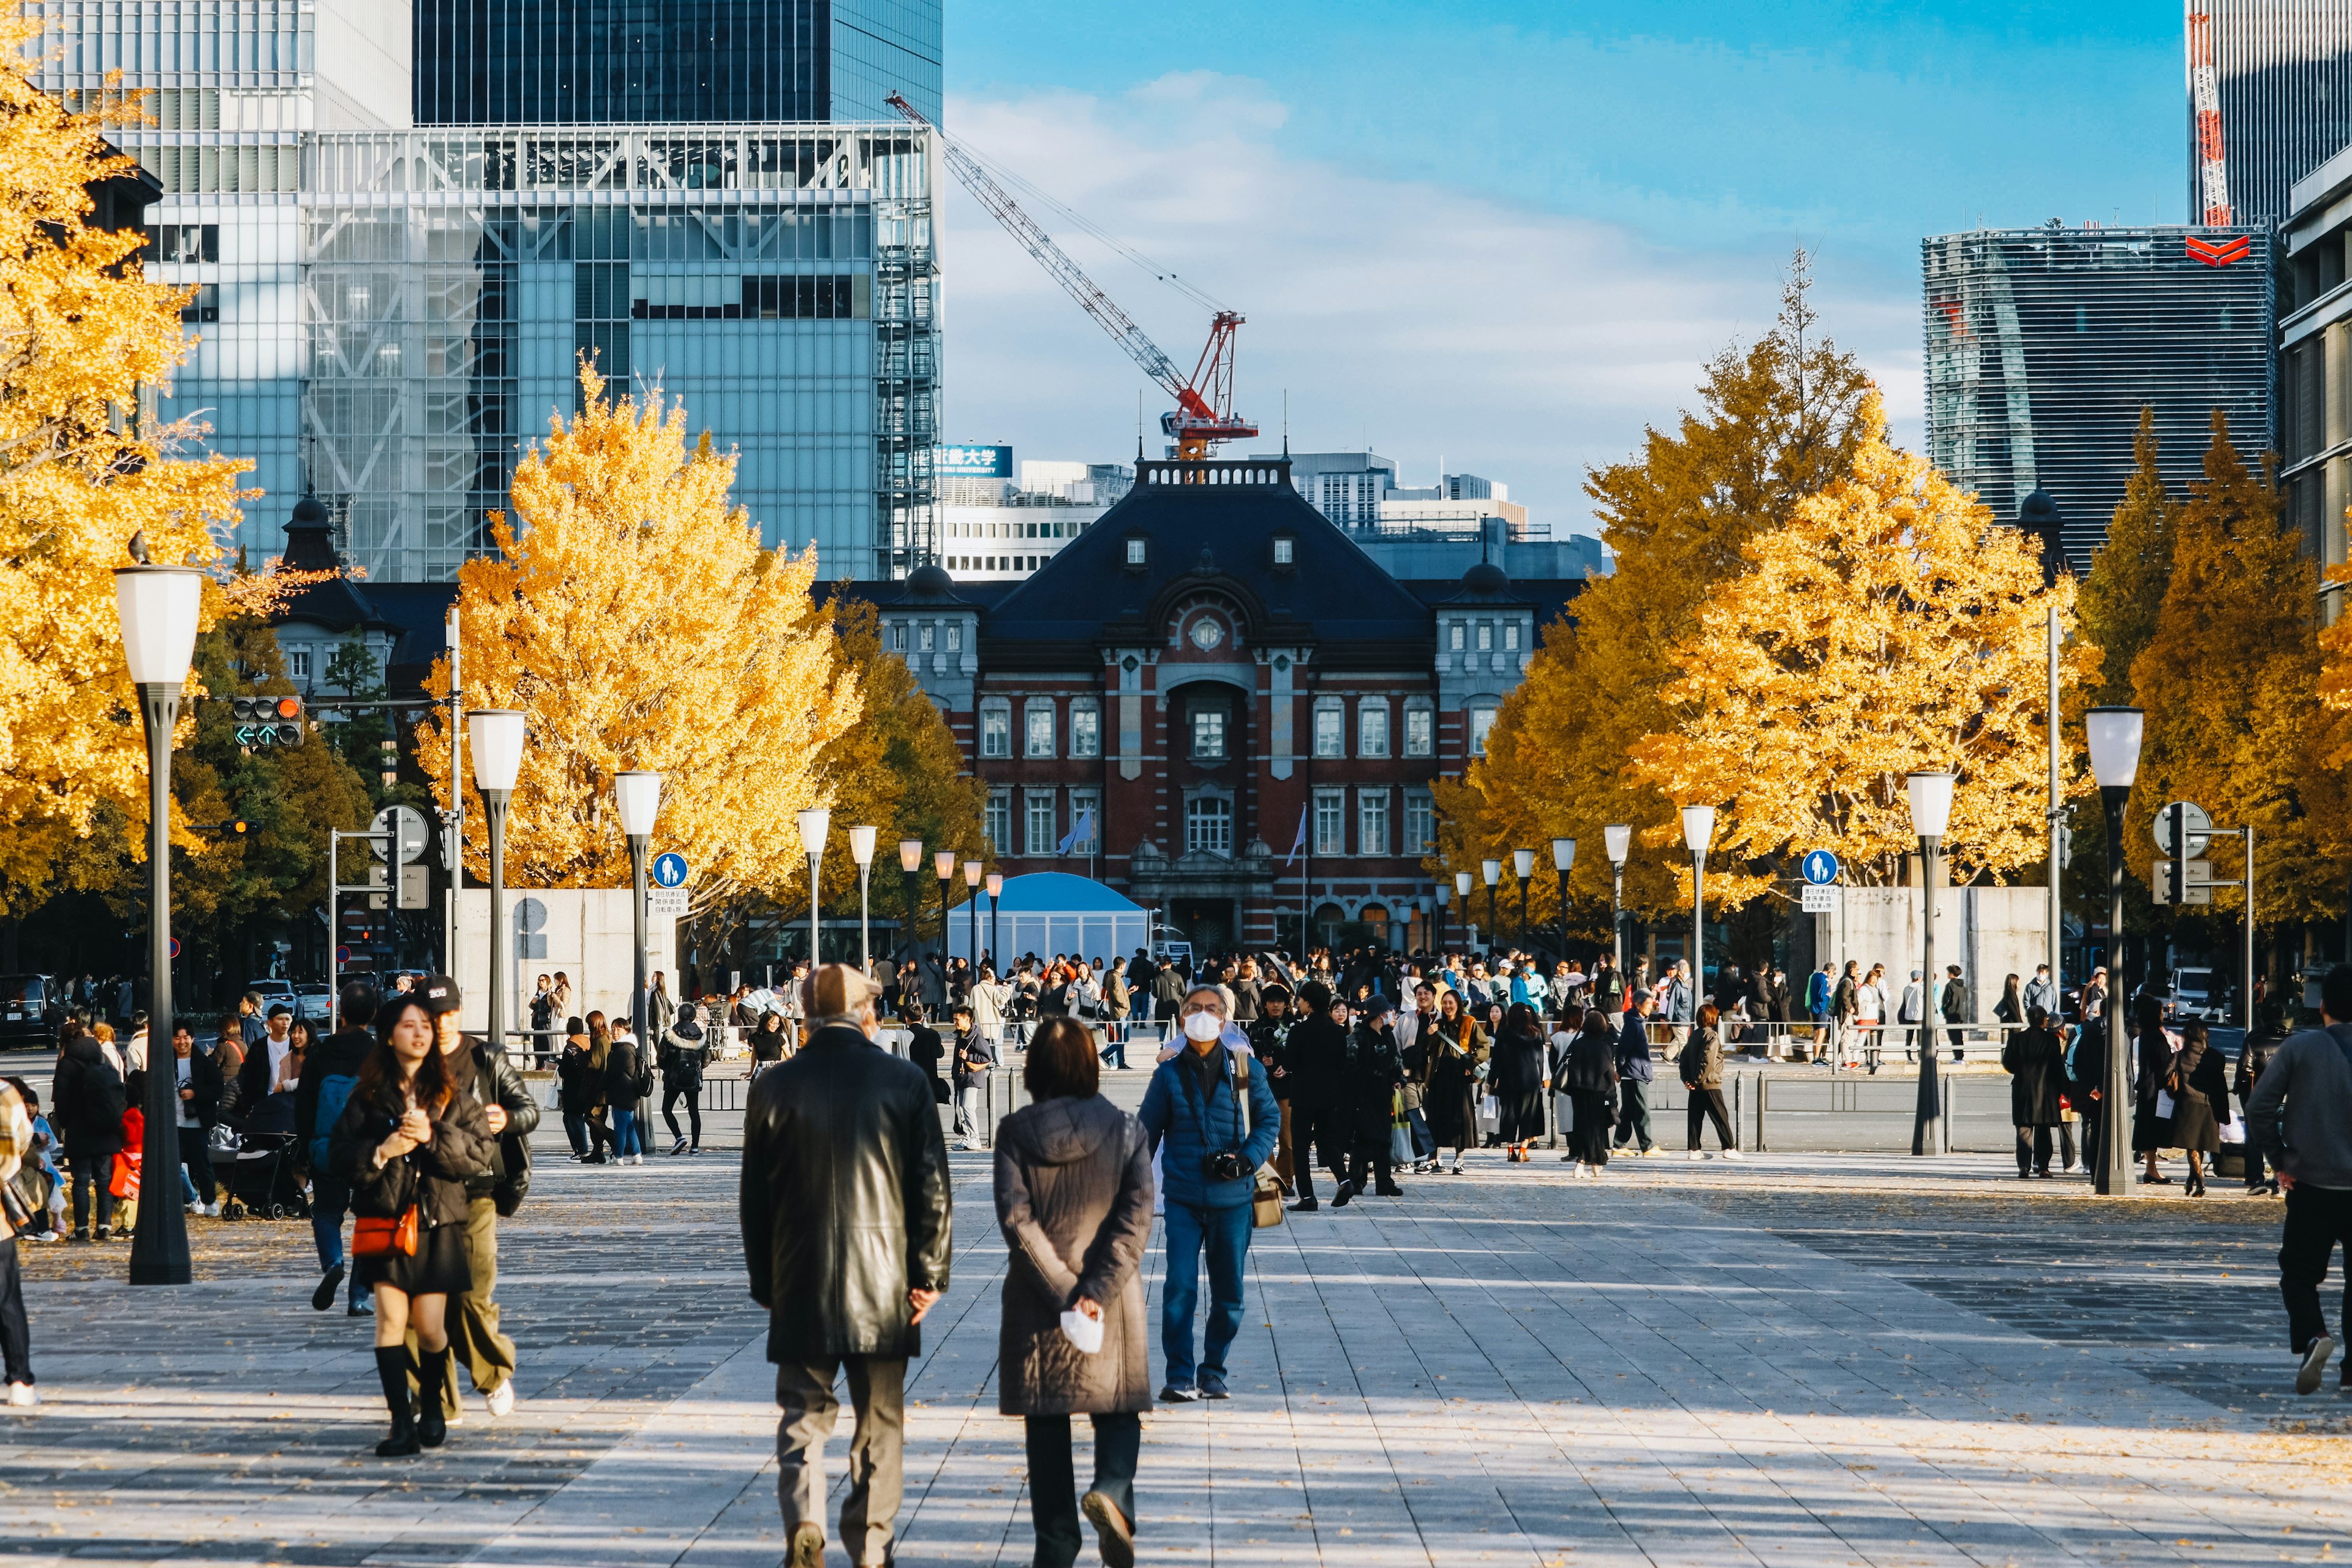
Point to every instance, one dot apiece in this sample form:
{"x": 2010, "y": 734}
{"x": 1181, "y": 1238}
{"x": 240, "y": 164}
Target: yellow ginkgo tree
{"x": 82, "y": 336}
{"x": 1888, "y": 626}
{"x": 638, "y": 623}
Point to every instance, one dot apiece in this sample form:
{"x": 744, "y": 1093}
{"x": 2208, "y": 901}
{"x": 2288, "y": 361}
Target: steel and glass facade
{"x": 2284, "y": 72}
{"x": 524, "y": 62}
{"x": 2043, "y": 346}
{"x": 386, "y": 317}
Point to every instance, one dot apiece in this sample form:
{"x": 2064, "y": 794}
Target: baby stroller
{"x": 257, "y": 1177}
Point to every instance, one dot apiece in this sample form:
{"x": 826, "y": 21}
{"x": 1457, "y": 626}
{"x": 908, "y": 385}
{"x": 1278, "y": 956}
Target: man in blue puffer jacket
{"x": 1209, "y": 1148}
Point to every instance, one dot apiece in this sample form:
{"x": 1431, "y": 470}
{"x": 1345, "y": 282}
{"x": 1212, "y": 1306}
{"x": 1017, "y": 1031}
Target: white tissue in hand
{"x": 1083, "y": 1331}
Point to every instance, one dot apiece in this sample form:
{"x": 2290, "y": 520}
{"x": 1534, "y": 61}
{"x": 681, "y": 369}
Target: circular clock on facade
{"x": 1207, "y": 633}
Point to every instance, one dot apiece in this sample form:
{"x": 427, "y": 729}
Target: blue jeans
{"x": 329, "y": 1200}
{"x": 1113, "y": 1049}
{"x": 625, "y": 1132}
{"x": 1227, "y": 1234}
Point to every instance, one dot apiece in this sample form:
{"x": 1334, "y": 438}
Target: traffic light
{"x": 267, "y": 721}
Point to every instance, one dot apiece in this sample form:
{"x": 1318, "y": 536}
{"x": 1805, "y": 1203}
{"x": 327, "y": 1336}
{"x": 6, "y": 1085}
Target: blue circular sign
{"x": 1821, "y": 868}
{"x": 669, "y": 870}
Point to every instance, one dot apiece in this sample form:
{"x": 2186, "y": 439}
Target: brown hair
{"x": 1709, "y": 1014}
{"x": 1062, "y": 1062}
{"x": 379, "y": 1081}
{"x": 598, "y": 1034}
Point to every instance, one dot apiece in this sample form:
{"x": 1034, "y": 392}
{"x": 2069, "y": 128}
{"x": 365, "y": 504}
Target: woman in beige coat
{"x": 1074, "y": 1197}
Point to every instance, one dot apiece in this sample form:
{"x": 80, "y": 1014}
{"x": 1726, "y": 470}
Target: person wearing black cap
{"x": 1367, "y": 1108}
{"x": 497, "y": 1189}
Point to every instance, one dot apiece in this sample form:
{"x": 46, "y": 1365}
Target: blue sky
{"x": 1507, "y": 235}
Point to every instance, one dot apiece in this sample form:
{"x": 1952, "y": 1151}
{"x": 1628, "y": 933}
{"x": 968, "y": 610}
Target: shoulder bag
{"x": 1266, "y": 1192}
{"x": 376, "y": 1238}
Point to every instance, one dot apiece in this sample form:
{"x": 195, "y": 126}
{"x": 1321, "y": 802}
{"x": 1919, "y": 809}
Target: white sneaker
{"x": 501, "y": 1399}
{"x": 212, "y": 1211}
{"x": 1576, "y": 1173}
{"x": 1699, "y": 1154}
{"x": 23, "y": 1394}
{"x": 1733, "y": 1154}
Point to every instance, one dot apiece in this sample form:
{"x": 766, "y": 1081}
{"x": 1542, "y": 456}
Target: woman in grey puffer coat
{"x": 1074, "y": 1197}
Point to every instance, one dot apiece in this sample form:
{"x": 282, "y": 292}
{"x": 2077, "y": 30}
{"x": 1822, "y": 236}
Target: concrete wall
{"x": 1991, "y": 933}
{"x": 584, "y": 931}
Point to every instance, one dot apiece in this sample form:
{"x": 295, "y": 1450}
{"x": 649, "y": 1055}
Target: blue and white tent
{"x": 1048, "y": 912}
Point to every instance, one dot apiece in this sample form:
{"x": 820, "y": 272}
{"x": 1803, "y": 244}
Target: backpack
{"x": 335, "y": 1093}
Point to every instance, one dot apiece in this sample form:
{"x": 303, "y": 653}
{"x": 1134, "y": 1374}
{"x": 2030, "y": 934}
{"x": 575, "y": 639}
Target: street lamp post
{"x": 1445, "y": 896}
{"x": 1931, "y": 813}
{"x": 497, "y": 734}
{"x": 816, "y": 823}
{"x": 1619, "y": 837}
{"x": 1698, "y": 826}
{"x": 161, "y": 608}
{"x": 972, "y": 872}
{"x": 639, "y": 795}
{"x": 1492, "y": 870}
{"x": 910, "y": 866}
{"x": 861, "y": 850}
{"x": 2115, "y": 737}
{"x": 995, "y": 893}
{"x": 1563, "y": 860}
{"x": 1461, "y": 892}
{"x": 1523, "y": 863}
{"x": 943, "y": 862}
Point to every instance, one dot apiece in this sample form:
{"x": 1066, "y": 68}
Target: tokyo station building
{"x": 1209, "y": 673}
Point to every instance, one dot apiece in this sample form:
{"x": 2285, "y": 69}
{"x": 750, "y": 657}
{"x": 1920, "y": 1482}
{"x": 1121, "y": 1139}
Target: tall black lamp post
{"x": 639, "y": 795}
{"x": 1523, "y": 865}
{"x": 1698, "y": 827}
{"x": 2115, "y": 736}
{"x": 910, "y": 867}
{"x": 816, "y": 823}
{"x": 972, "y": 873}
{"x": 1619, "y": 838}
{"x": 1462, "y": 897}
{"x": 161, "y": 608}
{"x": 1445, "y": 896}
{"x": 1931, "y": 813}
{"x": 861, "y": 850}
{"x": 943, "y": 862}
{"x": 1563, "y": 860}
{"x": 995, "y": 895}
{"x": 496, "y": 735}
{"x": 1492, "y": 870}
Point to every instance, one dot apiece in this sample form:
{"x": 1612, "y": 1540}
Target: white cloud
{"x": 1515, "y": 342}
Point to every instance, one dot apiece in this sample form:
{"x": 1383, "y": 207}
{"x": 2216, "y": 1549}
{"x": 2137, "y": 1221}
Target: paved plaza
{"x": 1802, "y": 1360}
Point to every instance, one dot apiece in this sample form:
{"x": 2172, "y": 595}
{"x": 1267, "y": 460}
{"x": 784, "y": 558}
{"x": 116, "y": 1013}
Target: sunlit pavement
{"x": 1798, "y": 1359}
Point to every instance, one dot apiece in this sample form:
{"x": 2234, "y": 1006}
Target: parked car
{"x": 275, "y": 992}
{"x": 2193, "y": 997}
{"x": 31, "y": 1009}
{"x": 314, "y": 1003}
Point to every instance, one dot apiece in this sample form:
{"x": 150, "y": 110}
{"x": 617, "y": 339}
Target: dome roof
{"x": 1485, "y": 578}
{"x": 929, "y": 582}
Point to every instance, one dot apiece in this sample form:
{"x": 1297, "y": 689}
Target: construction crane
{"x": 2212, "y": 170}
{"x": 1204, "y": 415}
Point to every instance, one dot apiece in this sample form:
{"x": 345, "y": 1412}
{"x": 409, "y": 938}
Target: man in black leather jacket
{"x": 513, "y": 1115}
{"x": 847, "y": 1234}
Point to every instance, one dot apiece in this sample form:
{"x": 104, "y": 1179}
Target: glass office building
{"x": 514, "y": 62}
{"x": 2043, "y": 346}
{"x": 387, "y": 316}
{"x": 2284, "y": 71}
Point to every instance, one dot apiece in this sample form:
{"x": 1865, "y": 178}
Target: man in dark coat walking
{"x": 1313, "y": 1060}
{"x": 86, "y": 1105}
{"x": 846, "y": 1233}
{"x": 1635, "y": 1072}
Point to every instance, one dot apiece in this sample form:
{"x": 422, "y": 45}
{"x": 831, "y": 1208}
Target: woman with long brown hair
{"x": 408, "y": 1140}
{"x": 1458, "y": 1061}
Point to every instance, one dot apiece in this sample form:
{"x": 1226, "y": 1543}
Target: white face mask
{"x": 1202, "y": 1028}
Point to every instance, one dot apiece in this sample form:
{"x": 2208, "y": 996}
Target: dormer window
{"x": 1286, "y": 551}
{"x": 1138, "y": 551}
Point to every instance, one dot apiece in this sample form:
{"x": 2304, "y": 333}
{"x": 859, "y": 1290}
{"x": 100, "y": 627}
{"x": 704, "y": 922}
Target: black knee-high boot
{"x": 432, "y": 1374}
{"x": 392, "y": 1370}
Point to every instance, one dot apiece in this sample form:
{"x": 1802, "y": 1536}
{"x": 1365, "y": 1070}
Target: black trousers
{"x": 1634, "y": 1115}
{"x": 1313, "y": 1133}
{"x": 1706, "y": 1105}
{"x": 2317, "y": 1218}
{"x": 692, "y": 1094}
{"x": 1368, "y": 1166}
{"x": 196, "y": 1154}
{"x": 2033, "y": 1149}
{"x": 2065, "y": 1143}
{"x": 16, "y": 1334}
{"x": 1053, "y": 1479}
{"x": 90, "y": 1171}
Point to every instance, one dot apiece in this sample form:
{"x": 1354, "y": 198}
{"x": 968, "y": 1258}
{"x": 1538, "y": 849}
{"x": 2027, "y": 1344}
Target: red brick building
{"x": 1213, "y": 675}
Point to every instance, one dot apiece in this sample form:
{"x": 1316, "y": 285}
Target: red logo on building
{"x": 2221, "y": 255}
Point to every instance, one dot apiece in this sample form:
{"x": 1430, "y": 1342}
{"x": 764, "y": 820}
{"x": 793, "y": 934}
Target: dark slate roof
{"x": 338, "y": 603}
{"x": 1213, "y": 536}
{"x": 1551, "y": 596}
{"x": 419, "y": 614}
